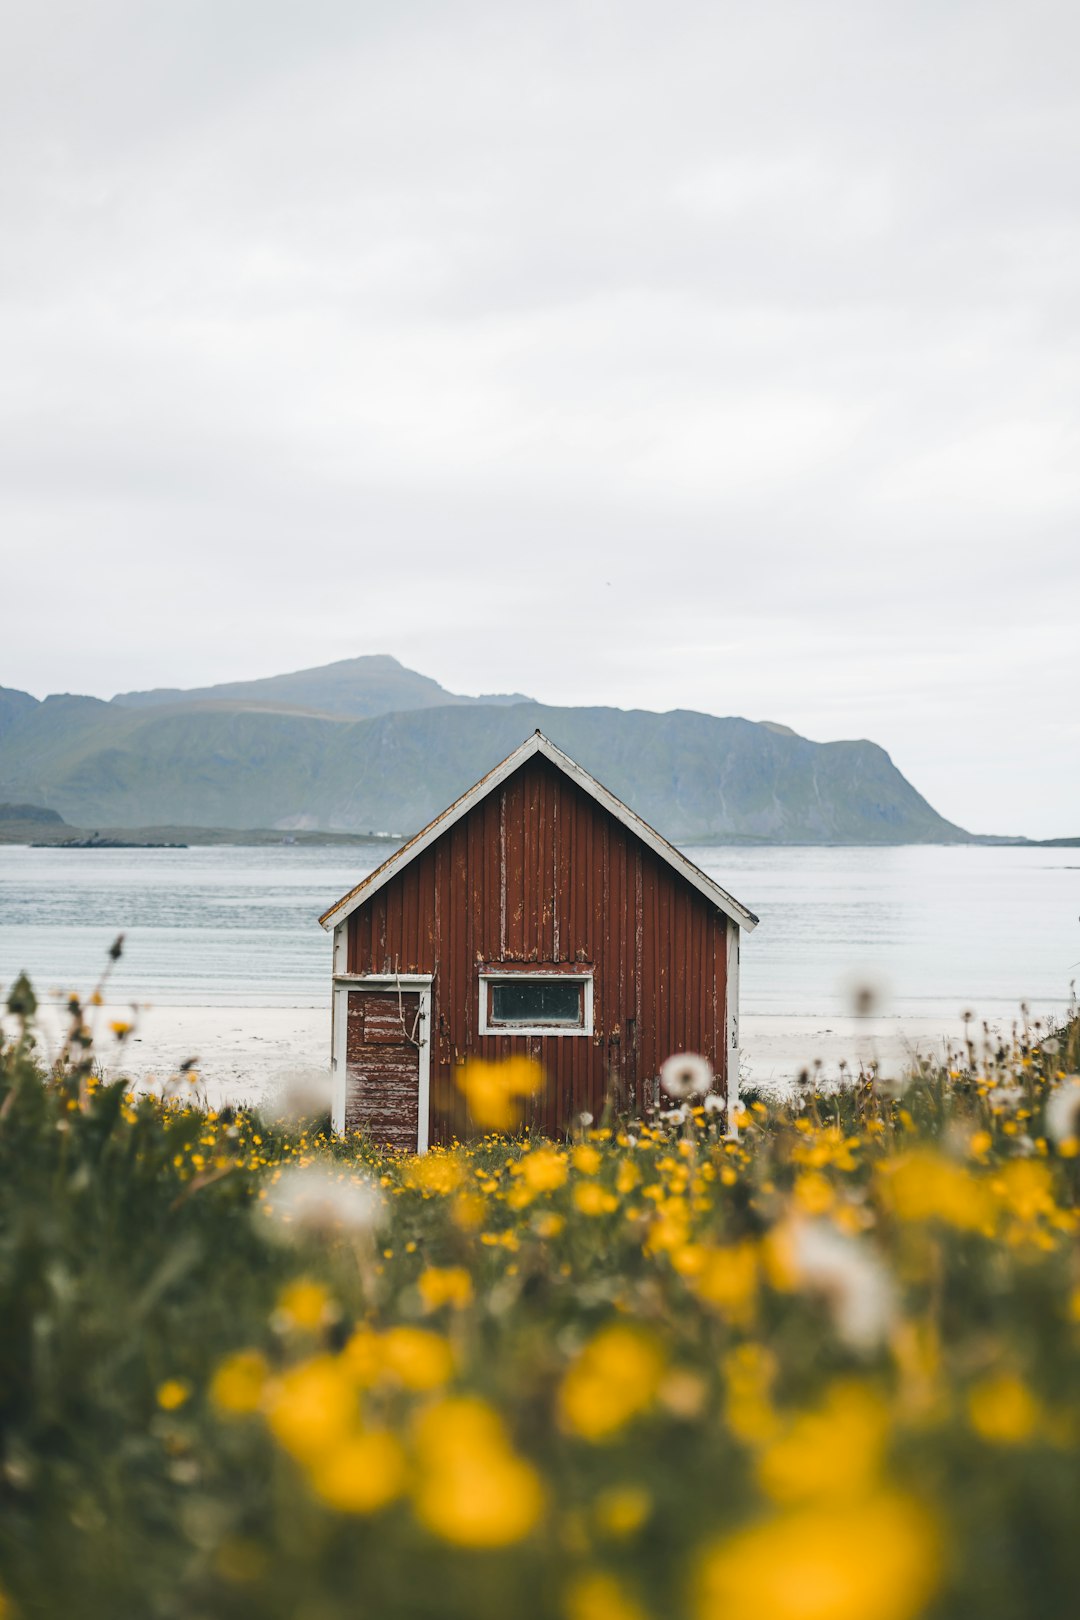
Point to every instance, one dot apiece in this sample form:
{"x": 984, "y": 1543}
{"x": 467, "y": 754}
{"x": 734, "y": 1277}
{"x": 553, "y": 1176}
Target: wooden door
{"x": 382, "y": 1066}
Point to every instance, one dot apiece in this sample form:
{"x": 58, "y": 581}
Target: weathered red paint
{"x": 538, "y": 872}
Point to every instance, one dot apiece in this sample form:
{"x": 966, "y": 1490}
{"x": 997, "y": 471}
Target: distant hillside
{"x": 355, "y": 687}
{"x": 26, "y": 814}
{"x": 240, "y": 764}
{"x": 14, "y": 707}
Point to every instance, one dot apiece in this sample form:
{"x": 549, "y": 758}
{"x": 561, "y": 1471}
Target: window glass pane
{"x": 537, "y": 1001}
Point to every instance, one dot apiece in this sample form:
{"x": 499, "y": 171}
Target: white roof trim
{"x": 538, "y": 744}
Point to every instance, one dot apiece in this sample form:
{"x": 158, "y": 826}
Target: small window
{"x": 536, "y": 1003}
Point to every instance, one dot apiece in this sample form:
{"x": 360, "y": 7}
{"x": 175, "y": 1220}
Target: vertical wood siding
{"x": 538, "y": 872}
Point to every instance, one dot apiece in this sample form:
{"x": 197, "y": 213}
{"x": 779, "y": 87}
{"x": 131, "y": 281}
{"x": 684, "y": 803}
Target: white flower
{"x": 302, "y": 1093}
{"x": 307, "y": 1200}
{"x": 686, "y": 1075}
{"x": 585, "y": 1119}
{"x": 714, "y": 1103}
{"x": 854, "y": 1284}
{"x": 1063, "y": 1110}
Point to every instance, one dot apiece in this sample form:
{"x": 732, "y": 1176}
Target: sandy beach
{"x": 245, "y": 1054}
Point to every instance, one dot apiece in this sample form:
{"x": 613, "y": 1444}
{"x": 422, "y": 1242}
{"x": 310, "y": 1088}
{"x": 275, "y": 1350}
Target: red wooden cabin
{"x": 537, "y": 914}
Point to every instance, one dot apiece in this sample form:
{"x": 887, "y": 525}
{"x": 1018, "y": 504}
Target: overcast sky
{"x": 717, "y": 356}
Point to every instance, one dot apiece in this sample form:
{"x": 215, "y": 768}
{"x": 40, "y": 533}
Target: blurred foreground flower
{"x": 473, "y": 1489}
{"x": 445, "y": 1285}
{"x": 312, "y": 1201}
{"x": 1003, "y": 1411}
{"x": 312, "y": 1407}
{"x": 815, "y": 1257}
{"x": 871, "y": 1560}
{"x": 832, "y": 1452}
{"x": 1063, "y": 1114}
{"x": 362, "y": 1473}
{"x": 596, "y": 1595}
{"x": 496, "y": 1092}
{"x": 302, "y": 1094}
{"x": 615, "y": 1377}
{"x": 923, "y": 1185}
{"x": 305, "y": 1305}
{"x": 239, "y": 1383}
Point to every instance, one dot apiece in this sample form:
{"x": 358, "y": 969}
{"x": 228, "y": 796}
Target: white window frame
{"x": 511, "y": 971}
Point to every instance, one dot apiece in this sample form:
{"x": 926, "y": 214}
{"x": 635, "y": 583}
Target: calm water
{"x": 939, "y": 929}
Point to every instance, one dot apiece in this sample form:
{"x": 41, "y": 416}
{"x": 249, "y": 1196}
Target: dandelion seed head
{"x": 686, "y": 1074}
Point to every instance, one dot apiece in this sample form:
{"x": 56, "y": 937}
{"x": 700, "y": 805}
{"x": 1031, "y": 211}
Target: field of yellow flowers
{"x": 828, "y": 1369}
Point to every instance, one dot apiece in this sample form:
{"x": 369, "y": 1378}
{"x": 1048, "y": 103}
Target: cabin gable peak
{"x": 537, "y": 744}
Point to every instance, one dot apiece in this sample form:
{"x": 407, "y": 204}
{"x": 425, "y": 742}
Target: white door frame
{"x": 731, "y": 1033}
{"x": 410, "y": 983}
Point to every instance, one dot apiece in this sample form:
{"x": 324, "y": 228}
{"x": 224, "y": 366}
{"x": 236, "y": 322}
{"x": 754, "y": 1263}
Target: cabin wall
{"x": 538, "y": 872}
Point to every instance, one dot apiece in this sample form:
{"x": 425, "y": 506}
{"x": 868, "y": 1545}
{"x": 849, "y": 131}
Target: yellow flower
{"x": 417, "y": 1358}
{"x": 614, "y": 1378}
{"x": 362, "y": 1357}
{"x": 813, "y": 1193}
{"x": 1026, "y": 1189}
{"x": 445, "y": 1285}
{"x": 312, "y": 1407}
{"x": 669, "y": 1231}
{"x": 727, "y": 1280}
{"x": 173, "y": 1393}
{"x": 362, "y": 1474}
{"x": 627, "y": 1176}
{"x": 621, "y": 1510}
{"x": 749, "y": 1371}
{"x": 923, "y": 1186}
{"x": 239, "y": 1383}
{"x": 543, "y": 1170}
{"x": 468, "y": 1211}
{"x": 438, "y": 1173}
{"x": 473, "y": 1488}
{"x": 306, "y": 1305}
{"x": 1003, "y": 1410}
{"x": 587, "y": 1160}
{"x": 494, "y": 1091}
{"x": 592, "y": 1199}
{"x": 832, "y": 1452}
{"x": 596, "y": 1595}
{"x": 874, "y": 1560}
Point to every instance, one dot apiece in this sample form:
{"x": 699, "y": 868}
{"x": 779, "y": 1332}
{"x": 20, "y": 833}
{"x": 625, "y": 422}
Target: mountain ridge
{"x": 360, "y": 687}
{"x": 255, "y": 761}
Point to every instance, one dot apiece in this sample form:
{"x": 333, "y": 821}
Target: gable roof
{"x": 538, "y": 744}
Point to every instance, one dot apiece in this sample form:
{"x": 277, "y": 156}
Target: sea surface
{"x": 933, "y": 930}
